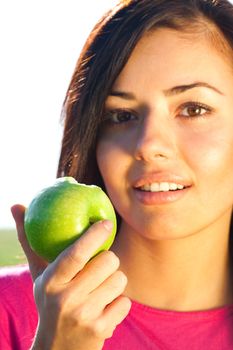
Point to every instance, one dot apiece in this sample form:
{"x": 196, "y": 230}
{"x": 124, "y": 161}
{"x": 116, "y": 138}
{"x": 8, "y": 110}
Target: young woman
{"x": 147, "y": 116}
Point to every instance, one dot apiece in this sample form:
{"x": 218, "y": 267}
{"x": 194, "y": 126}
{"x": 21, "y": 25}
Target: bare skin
{"x": 80, "y": 303}
{"x": 175, "y": 253}
{"x": 189, "y": 275}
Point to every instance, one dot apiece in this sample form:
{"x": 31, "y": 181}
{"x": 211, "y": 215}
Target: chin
{"x": 158, "y": 231}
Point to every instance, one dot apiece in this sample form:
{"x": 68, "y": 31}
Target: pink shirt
{"x": 145, "y": 328}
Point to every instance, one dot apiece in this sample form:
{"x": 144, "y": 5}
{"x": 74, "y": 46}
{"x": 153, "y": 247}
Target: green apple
{"x": 60, "y": 214}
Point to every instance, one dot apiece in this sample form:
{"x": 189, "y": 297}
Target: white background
{"x": 40, "y": 43}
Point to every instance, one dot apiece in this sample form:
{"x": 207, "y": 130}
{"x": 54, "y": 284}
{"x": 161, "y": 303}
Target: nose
{"x": 156, "y": 139}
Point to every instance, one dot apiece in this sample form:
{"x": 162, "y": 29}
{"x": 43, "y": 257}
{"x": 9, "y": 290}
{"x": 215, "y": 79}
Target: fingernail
{"x": 108, "y": 225}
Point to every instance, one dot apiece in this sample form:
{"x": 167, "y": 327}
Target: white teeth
{"x": 146, "y": 188}
{"x": 175, "y": 186}
{"x": 180, "y": 187}
{"x": 155, "y": 187}
{"x": 162, "y": 187}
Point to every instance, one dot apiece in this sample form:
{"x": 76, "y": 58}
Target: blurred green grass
{"x": 11, "y": 252}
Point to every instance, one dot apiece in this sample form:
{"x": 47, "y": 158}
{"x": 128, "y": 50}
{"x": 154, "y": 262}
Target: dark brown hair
{"x": 104, "y": 55}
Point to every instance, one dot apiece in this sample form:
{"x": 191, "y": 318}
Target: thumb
{"x": 36, "y": 263}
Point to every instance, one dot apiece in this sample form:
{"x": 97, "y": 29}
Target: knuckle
{"x": 125, "y": 304}
{"x": 53, "y": 298}
{"x": 82, "y": 316}
{"x": 46, "y": 283}
{"x": 121, "y": 277}
{"x": 119, "y": 281}
{"x": 46, "y": 280}
{"x": 48, "y": 287}
{"x": 110, "y": 258}
{"x": 76, "y": 256}
{"x": 98, "y": 329}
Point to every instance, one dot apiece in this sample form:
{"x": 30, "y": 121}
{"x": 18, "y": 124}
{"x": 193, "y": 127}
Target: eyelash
{"x": 196, "y": 104}
{"x": 192, "y": 104}
{"x": 109, "y": 117}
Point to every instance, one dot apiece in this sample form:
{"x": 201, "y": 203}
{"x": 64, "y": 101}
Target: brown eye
{"x": 120, "y": 116}
{"x": 195, "y": 110}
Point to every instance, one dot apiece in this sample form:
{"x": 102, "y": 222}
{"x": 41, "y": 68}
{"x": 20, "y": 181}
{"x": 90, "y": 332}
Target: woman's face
{"x": 166, "y": 148}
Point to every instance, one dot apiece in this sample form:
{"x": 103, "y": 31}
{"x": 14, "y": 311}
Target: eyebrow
{"x": 169, "y": 92}
{"x": 182, "y": 88}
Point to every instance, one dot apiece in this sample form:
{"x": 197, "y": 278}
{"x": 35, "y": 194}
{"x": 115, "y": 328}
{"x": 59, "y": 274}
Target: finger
{"x": 105, "y": 294}
{"x": 95, "y": 273}
{"x": 36, "y": 263}
{"x": 110, "y": 290}
{"x": 112, "y": 316}
{"x": 72, "y": 260}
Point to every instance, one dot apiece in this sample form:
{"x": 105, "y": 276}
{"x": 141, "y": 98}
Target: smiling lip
{"x": 156, "y": 198}
{"x": 160, "y": 177}
{"x": 162, "y": 197}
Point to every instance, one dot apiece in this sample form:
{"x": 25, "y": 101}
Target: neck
{"x": 188, "y": 274}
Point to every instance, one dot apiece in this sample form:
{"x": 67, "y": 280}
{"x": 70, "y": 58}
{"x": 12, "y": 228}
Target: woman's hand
{"x": 79, "y": 300}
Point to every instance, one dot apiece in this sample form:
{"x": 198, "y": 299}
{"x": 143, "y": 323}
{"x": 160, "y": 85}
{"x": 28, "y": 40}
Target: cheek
{"x": 109, "y": 161}
{"x": 114, "y": 164}
{"x": 210, "y": 156}
{"x": 114, "y": 153}
{"x": 103, "y": 159}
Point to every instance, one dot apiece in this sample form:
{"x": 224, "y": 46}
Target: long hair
{"x": 104, "y": 55}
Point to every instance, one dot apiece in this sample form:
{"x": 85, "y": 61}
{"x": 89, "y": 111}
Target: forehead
{"x": 168, "y": 57}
